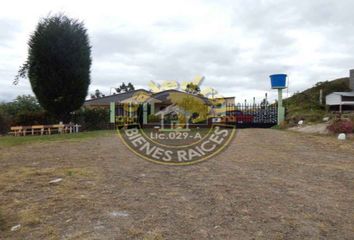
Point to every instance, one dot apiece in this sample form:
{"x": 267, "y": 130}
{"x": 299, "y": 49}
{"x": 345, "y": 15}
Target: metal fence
{"x": 253, "y": 115}
{"x": 242, "y": 115}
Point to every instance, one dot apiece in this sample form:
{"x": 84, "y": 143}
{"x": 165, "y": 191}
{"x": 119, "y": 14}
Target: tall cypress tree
{"x": 58, "y": 64}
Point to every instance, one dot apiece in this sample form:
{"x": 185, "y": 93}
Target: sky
{"x": 235, "y": 44}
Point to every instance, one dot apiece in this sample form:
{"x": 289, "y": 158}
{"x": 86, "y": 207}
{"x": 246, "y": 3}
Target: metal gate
{"x": 252, "y": 115}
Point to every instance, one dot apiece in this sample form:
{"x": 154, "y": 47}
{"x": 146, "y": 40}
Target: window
{"x": 347, "y": 98}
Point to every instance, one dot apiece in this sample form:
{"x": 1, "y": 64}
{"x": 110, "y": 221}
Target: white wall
{"x": 333, "y": 99}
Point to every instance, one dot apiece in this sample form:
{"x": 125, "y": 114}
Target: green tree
{"x": 97, "y": 94}
{"x": 58, "y": 64}
{"x": 123, "y": 88}
{"x": 23, "y": 103}
{"x": 130, "y": 87}
{"x": 192, "y": 88}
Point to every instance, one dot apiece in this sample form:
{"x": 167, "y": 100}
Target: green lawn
{"x": 13, "y": 141}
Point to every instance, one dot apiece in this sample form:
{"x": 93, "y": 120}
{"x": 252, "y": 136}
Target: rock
{"x": 119, "y": 214}
{"x": 325, "y": 119}
{"x": 15, "y": 228}
{"x": 300, "y": 122}
{"x": 342, "y": 136}
{"x": 56, "y": 180}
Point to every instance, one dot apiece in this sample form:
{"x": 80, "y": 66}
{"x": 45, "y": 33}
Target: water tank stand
{"x": 281, "y": 109}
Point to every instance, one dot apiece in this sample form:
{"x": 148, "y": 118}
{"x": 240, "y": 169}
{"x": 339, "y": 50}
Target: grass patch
{"x": 153, "y": 235}
{"x": 25, "y": 185}
{"x": 20, "y": 174}
{"x": 30, "y": 216}
{"x": 10, "y": 178}
{"x": 8, "y": 141}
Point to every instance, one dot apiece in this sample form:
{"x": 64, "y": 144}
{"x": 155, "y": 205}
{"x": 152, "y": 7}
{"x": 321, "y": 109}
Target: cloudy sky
{"x": 236, "y": 45}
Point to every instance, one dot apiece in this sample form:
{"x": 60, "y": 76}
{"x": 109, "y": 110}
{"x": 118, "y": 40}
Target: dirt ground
{"x": 268, "y": 184}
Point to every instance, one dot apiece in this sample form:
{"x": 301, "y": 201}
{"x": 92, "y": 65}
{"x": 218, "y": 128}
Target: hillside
{"x": 306, "y": 105}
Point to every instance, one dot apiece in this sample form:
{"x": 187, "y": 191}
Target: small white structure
{"x": 340, "y": 99}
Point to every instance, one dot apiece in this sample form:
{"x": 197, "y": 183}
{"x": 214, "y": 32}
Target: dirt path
{"x": 267, "y": 184}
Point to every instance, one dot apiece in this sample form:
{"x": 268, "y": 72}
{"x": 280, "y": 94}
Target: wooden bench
{"x": 44, "y": 129}
{"x": 37, "y": 129}
{"x": 16, "y": 131}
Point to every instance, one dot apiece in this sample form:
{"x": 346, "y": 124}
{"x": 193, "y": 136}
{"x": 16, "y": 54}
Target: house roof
{"x": 347, "y": 94}
{"x": 162, "y": 96}
{"x": 165, "y": 95}
{"x": 112, "y": 98}
{"x": 171, "y": 109}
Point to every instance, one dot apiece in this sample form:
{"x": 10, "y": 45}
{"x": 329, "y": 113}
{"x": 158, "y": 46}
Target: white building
{"x": 342, "y": 100}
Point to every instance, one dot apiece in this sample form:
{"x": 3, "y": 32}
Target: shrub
{"x": 5, "y": 123}
{"x": 92, "y": 119}
{"x": 33, "y": 118}
{"x": 125, "y": 119}
{"x": 307, "y": 116}
{"x": 153, "y": 118}
{"x": 341, "y": 126}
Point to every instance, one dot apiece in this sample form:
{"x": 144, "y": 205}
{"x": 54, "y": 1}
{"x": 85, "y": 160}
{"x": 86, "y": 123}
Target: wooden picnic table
{"x": 44, "y": 129}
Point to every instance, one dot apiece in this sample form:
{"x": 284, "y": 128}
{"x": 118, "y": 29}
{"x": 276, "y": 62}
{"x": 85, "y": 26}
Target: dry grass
{"x": 153, "y": 235}
{"x": 31, "y": 213}
{"x": 267, "y": 185}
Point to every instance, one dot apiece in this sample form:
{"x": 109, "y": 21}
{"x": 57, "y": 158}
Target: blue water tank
{"x": 278, "y": 80}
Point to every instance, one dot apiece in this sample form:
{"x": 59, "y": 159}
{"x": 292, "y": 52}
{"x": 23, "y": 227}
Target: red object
{"x": 240, "y": 116}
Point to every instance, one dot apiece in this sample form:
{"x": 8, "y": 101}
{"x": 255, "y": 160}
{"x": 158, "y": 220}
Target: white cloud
{"x": 235, "y": 44}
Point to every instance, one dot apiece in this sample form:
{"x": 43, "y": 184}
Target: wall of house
{"x": 333, "y": 99}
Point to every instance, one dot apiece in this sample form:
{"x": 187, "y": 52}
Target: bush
{"x": 120, "y": 120}
{"x": 92, "y": 119}
{"x": 307, "y": 116}
{"x": 341, "y": 126}
{"x": 25, "y": 111}
{"x": 22, "y": 103}
{"x": 33, "y": 118}
{"x": 5, "y": 123}
{"x": 153, "y": 118}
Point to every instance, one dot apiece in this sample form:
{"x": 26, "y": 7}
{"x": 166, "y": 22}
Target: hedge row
{"x": 89, "y": 119}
